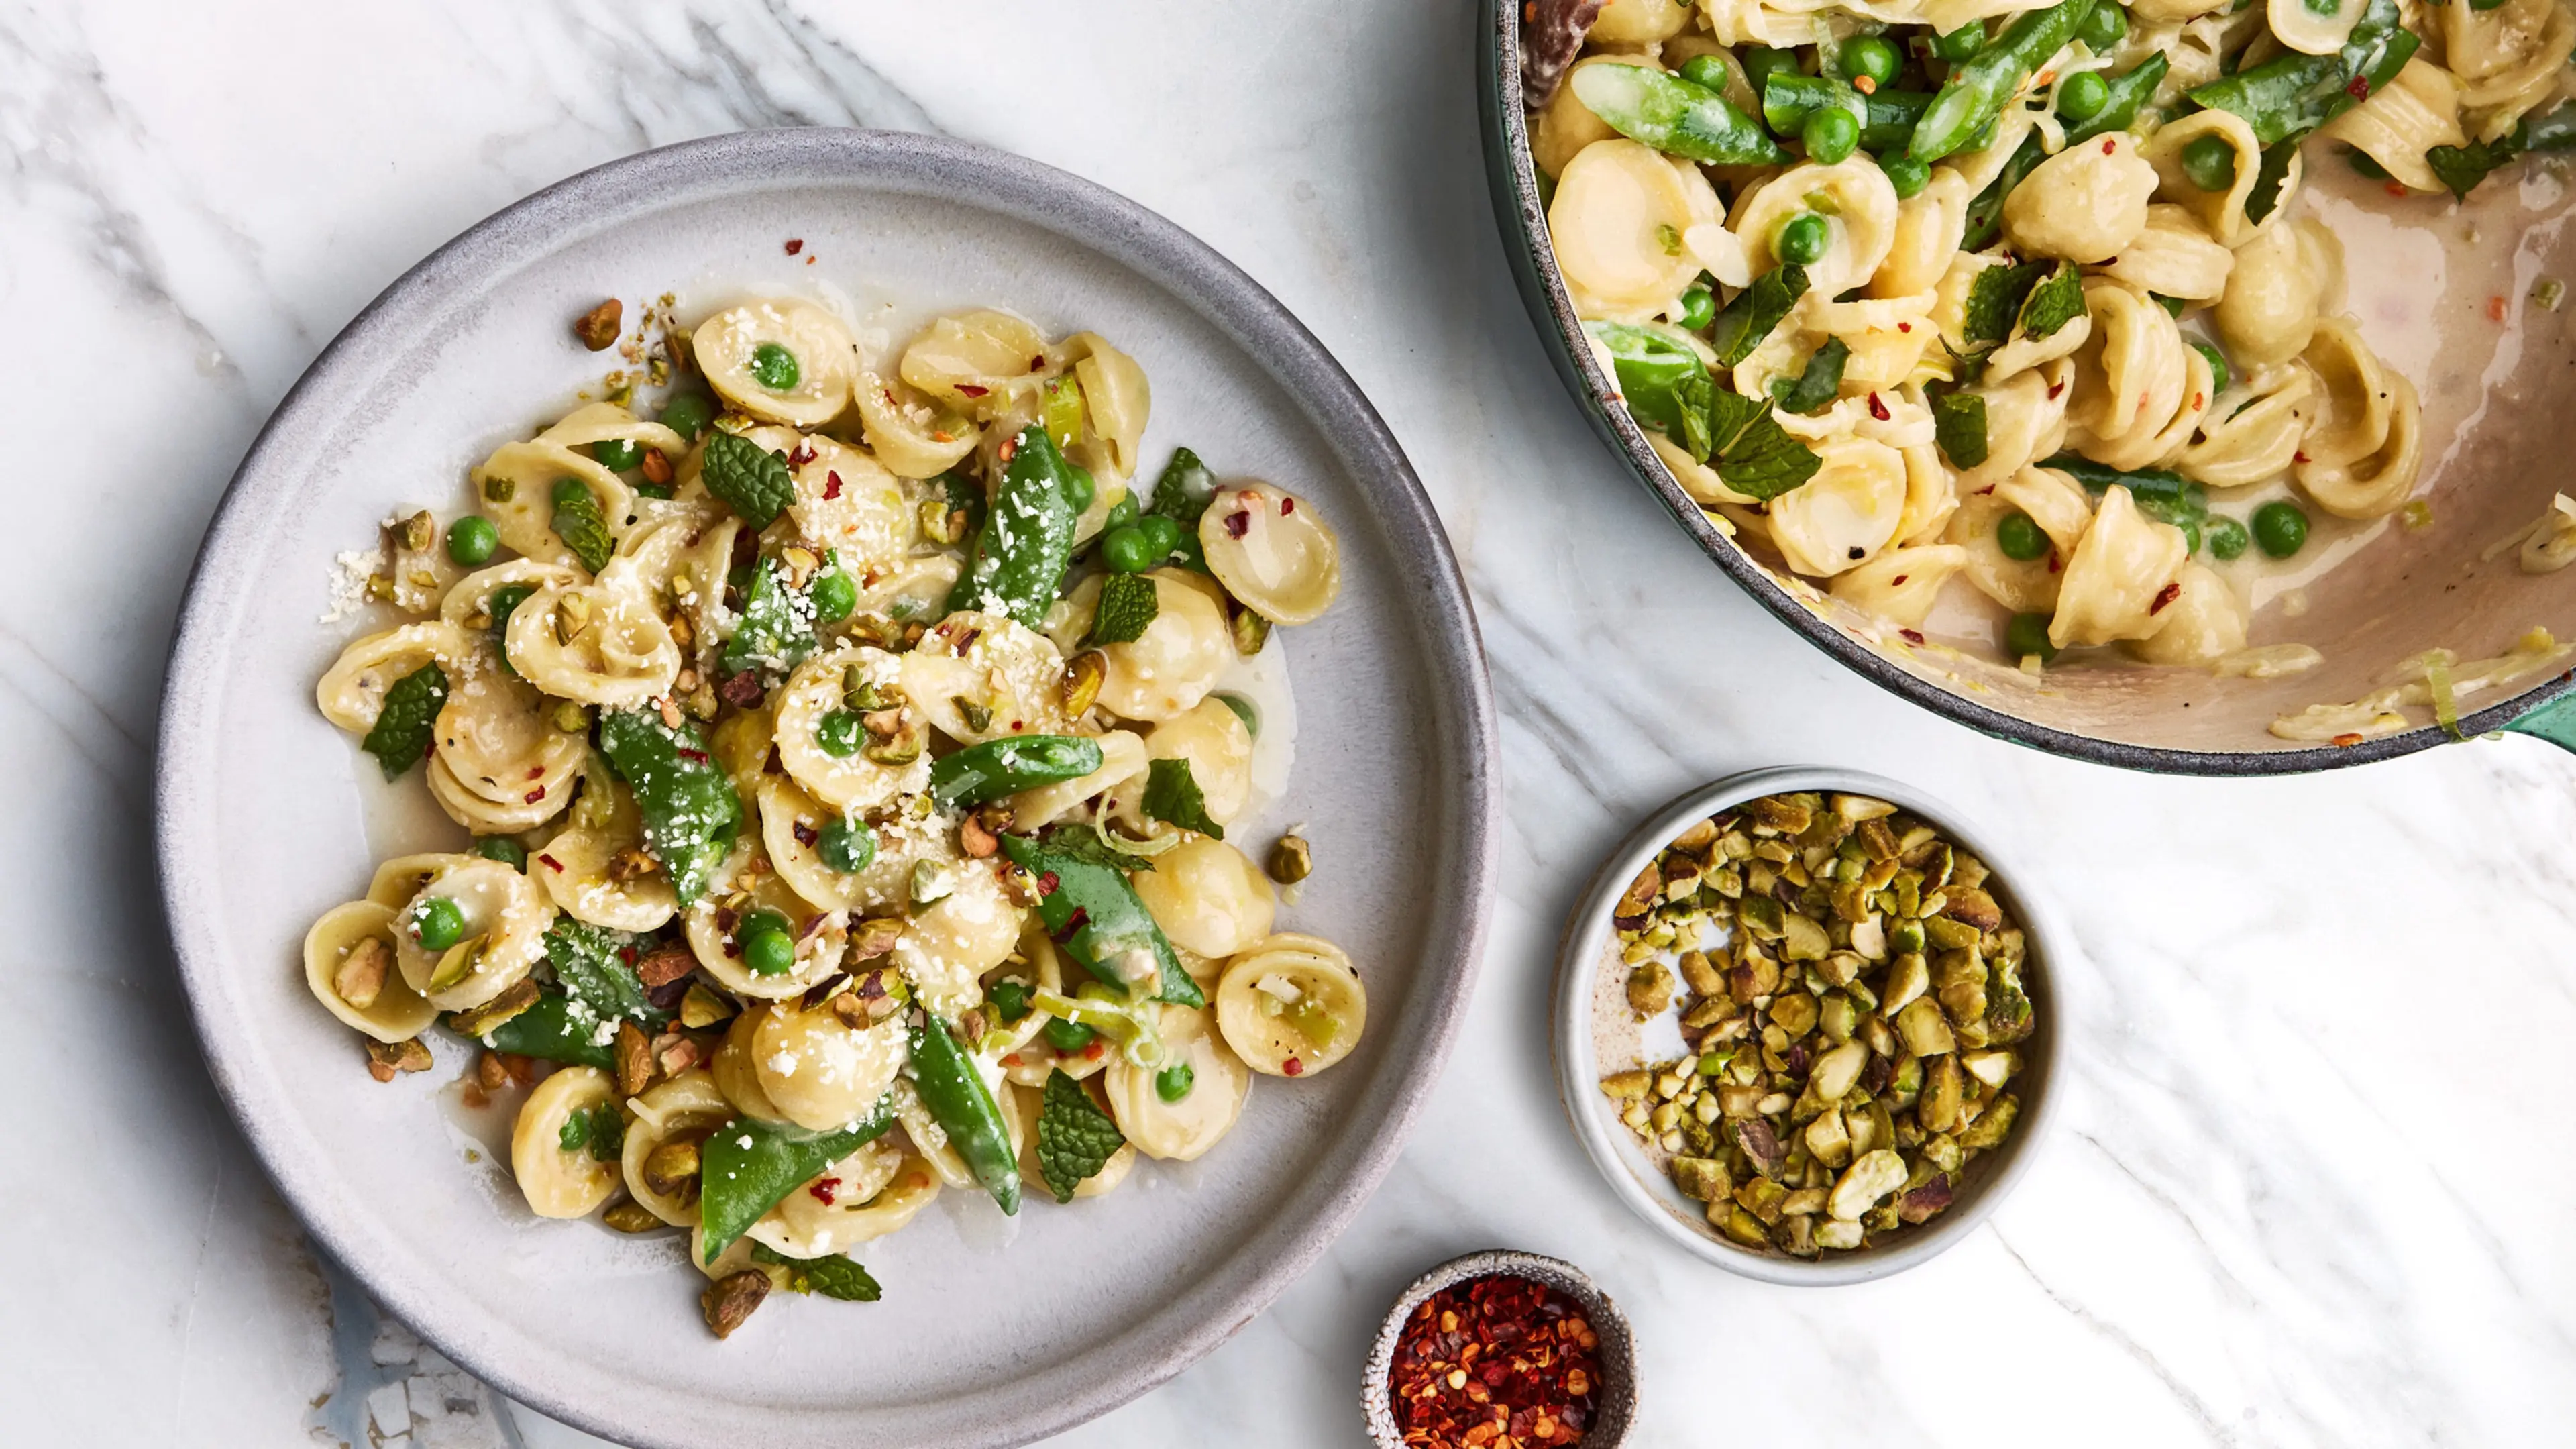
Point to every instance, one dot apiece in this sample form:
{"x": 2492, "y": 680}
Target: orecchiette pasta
{"x": 2404, "y": 119}
{"x": 2203, "y": 624}
{"x": 2086, "y": 203}
{"x": 2140, "y": 390}
{"x": 2252, "y": 432}
{"x": 1859, "y": 209}
{"x": 1844, "y": 514}
{"x": 2222, "y": 213}
{"x": 1902, "y": 584}
{"x": 1622, "y": 220}
{"x": 2121, "y": 579}
{"x": 774, "y": 848}
{"x": 2281, "y": 281}
{"x": 1291, "y": 1006}
{"x": 2173, "y": 256}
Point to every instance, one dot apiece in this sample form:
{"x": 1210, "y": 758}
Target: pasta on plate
{"x": 849, "y": 756}
{"x": 2017, "y": 310}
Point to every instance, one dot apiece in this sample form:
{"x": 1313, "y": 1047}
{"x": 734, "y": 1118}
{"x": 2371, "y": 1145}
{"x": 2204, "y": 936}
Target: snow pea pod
{"x": 996, "y": 768}
{"x": 2160, "y": 493}
{"x": 1886, "y": 117}
{"x": 954, "y": 1091}
{"x": 1980, "y": 88}
{"x": 1675, "y": 116}
{"x": 1027, "y": 538}
{"x": 1096, "y": 918}
{"x": 2293, "y": 94}
{"x": 548, "y": 1032}
{"x": 691, "y": 813}
{"x": 747, "y": 1165}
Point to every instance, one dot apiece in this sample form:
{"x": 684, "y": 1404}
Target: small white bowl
{"x": 1588, "y": 951}
{"x": 1614, "y": 1407}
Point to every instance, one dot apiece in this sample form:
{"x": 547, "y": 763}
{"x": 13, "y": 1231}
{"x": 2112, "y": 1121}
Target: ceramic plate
{"x": 992, "y": 1331}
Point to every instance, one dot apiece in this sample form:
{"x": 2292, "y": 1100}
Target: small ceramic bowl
{"x": 1590, "y": 1001}
{"x": 1615, "y": 1407}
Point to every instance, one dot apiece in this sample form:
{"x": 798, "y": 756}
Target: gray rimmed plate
{"x": 992, "y": 1331}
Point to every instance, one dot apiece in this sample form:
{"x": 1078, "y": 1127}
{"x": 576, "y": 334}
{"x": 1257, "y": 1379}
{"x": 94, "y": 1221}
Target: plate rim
{"x": 1168, "y": 258}
{"x": 1512, "y": 181}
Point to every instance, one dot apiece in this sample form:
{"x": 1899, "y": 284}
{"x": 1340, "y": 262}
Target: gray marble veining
{"x": 2312, "y": 1190}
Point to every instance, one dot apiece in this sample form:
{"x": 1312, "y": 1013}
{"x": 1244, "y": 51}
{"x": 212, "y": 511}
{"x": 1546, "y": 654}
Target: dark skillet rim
{"x": 1355, "y": 439}
{"x": 1513, "y": 180}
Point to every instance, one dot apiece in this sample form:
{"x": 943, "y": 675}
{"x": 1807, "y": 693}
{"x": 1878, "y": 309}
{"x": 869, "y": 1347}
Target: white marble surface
{"x": 2313, "y": 1185}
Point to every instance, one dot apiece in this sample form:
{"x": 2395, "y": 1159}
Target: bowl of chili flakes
{"x": 1501, "y": 1350}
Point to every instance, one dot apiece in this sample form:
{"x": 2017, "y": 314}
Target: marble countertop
{"x": 2311, "y": 1188}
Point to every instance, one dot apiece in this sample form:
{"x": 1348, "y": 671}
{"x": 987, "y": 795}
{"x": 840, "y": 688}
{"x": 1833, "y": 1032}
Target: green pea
{"x": 618, "y": 454}
{"x": 1162, "y": 534}
{"x": 838, "y": 734}
{"x": 2083, "y": 96}
{"x": 1871, "y": 56}
{"x": 847, "y": 846}
{"x": 2281, "y": 528}
{"x": 2172, "y": 305}
{"x": 471, "y": 539}
{"x": 1244, "y": 710}
{"x": 1079, "y": 486}
{"x": 2020, "y": 538}
{"x": 774, "y": 367}
{"x": 1829, "y": 134}
{"x": 1699, "y": 308}
{"x": 437, "y": 924}
{"x": 834, "y": 594}
{"x": 1121, "y": 513}
{"x": 767, "y": 950}
{"x": 2210, "y": 163}
{"x": 2227, "y": 537}
{"x": 1906, "y": 174}
{"x": 2027, "y": 635}
{"x": 1067, "y": 1036}
{"x": 1173, "y": 1083}
{"x": 2103, "y": 27}
{"x": 505, "y": 850}
{"x": 1803, "y": 239}
{"x": 1961, "y": 43}
{"x": 688, "y": 415}
{"x": 1127, "y": 550}
{"x": 2217, "y": 366}
{"x": 1761, "y": 60}
{"x": 1010, "y": 1000}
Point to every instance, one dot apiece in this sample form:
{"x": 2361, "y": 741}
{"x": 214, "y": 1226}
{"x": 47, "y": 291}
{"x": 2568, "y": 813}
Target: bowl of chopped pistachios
{"x": 1805, "y": 1025}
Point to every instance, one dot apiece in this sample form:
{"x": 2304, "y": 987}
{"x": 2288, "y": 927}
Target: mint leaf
{"x": 1764, "y": 461}
{"x": 1172, "y": 794}
{"x": 1182, "y": 490}
{"x": 1128, "y": 604}
{"x": 1743, "y": 323}
{"x": 575, "y": 1134}
{"x": 1815, "y": 387}
{"x": 1959, "y": 426}
{"x": 401, "y": 734}
{"x": 1075, "y": 1138}
{"x": 752, "y": 481}
{"x": 551, "y": 1031}
{"x": 589, "y": 961}
{"x": 2054, "y": 303}
{"x": 503, "y": 602}
{"x": 833, "y": 1276}
{"x": 1729, "y": 414}
{"x": 691, "y": 813}
{"x": 581, "y": 526}
{"x": 776, "y": 630}
{"x": 1994, "y": 300}
{"x": 2273, "y": 174}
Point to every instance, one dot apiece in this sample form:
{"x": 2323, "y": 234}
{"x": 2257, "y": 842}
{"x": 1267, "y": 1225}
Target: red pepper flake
{"x": 805, "y": 834}
{"x": 694, "y": 757}
{"x": 549, "y": 862}
{"x": 2199, "y": 400}
{"x": 803, "y": 455}
{"x": 1495, "y": 1361}
{"x": 1904, "y": 326}
{"x": 1287, "y": 505}
{"x": 2495, "y": 309}
{"x": 1073, "y": 924}
{"x": 743, "y": 690}
{"x": 2346, "y": 740}
{"x": 2396, "y": 189}
{"x": 1878, "y": 408}
{"x": 1047, "y": 884}
{"x": 626, "y": 954}
{"x": 796, "y": 244}
{"x": 1911, "y": 636}
{"x": 1293, "y": 1067}
{"x": 1238, "y": 523}
{"x": 533, "y": 796}
{"x": 825, "y": 1189}
{"x": 2054, "y": 389}
{"x": 2359, "y": 90}
{"x": 2054, "y": 562}
{"x": 2109, "y": 146}
{"x": 968, "y": 389}
{"x": 2165, "y": 596}
{"x": 1898, "y": 581}
{"x": 831, "y": 486}
{"x": 1092, "y": 1053}
{"x": 2299, "y": 457}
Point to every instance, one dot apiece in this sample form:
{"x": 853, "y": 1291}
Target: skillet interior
{"x": 2499, "y": 425}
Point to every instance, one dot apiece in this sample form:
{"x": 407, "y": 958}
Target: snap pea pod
{"x": 996, "y": 768}
{"x": 1096, "y": 918}
{"x": 954, "y": 1091}
{"x": 1674, "y": 116}
{"x": 1027, "y": 538}
{"x": 2128, "y": 93}
{"x": 2160, "y": 493}
{"x": 747, "y": 1165}
{"x": 691, "y": 813}
{"x": 1886, "y": 117}
{"x": 548, "y": 1031}
{"x": 1981, "y": 86}
{"x": 2293, "y": 94}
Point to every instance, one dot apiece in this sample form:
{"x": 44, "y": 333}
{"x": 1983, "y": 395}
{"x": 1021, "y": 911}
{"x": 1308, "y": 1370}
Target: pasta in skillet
{"x": 2016, "y": 293}
{"x": 850, "y": 754}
